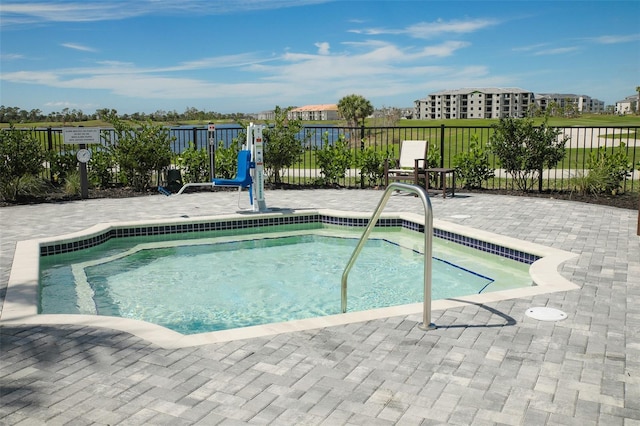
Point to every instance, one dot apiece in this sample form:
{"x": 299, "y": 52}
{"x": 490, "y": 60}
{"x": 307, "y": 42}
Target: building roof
{"x": 468, "y": 90}
{"x": 631, "y": 98}
{"x": 321, "y": 107}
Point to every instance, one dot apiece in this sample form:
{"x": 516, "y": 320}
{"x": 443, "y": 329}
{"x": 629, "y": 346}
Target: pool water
{"x": 194, "y": 286}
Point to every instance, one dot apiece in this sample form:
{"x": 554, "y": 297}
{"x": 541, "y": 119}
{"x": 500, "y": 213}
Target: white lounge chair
{"x": 412, "y": 164}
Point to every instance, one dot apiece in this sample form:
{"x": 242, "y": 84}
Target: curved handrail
{"x": 428, "y": 235}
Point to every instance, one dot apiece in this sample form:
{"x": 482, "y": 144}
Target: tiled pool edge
{"x": 84, "y": 240}
{"x": 20, "y": 304}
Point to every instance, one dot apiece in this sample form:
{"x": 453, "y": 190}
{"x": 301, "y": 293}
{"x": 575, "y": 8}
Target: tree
{"x": 34, "y": 115}
{"x": 105, "y": 113}
{"x": 282, "y": 148}
{"x": 525, "y": 150}
{"x": 638, "y": 101}
{"x": 354, "y": 108}
{"x": 570, "y": 109}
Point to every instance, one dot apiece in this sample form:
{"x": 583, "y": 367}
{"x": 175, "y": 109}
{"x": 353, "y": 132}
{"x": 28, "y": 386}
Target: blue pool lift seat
{"x": 243, "y": 176}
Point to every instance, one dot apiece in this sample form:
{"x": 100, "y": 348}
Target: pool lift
{"x": 250, "y": 174}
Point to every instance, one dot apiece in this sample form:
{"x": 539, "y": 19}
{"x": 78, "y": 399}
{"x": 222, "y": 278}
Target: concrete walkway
{"x": 485, "y": 364}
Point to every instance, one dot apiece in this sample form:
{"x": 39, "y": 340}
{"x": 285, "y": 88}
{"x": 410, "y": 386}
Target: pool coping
{"x": 20, "y": 305}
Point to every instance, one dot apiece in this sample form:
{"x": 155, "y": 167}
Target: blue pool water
{"x": 198, "y": 287}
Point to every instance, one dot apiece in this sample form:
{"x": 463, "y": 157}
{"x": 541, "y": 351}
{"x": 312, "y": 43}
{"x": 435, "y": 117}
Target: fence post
{"x": 50, "y": 145}
{"x": 195, "y": 138}
{"x": 361, "y": 151}
{"x": 441, "y": 145}
{"x": 540, "y": 180}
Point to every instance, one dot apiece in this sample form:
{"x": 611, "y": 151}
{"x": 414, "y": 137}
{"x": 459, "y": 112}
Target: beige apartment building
{"x": 580, "y": 103}
{"x": 628, "y": 105}
{"x": 314, "y": 112}
{"x": 306, "y": 113}
{"x": 474, "y": 103}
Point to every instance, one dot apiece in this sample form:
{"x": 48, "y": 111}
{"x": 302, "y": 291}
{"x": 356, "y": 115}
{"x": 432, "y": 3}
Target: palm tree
{"x": 354, "y": 108}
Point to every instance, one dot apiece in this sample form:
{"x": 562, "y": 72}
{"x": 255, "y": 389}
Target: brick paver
{"x": 485, "y": 364}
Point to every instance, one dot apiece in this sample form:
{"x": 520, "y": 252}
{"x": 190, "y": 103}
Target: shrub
{"x": 141, "y": 151}
{"x": 100, "y": 167}
{"x": 333, "y": 159}
{"x": 194, "y": 164}
{"x": 607, "y": 170}
{"x": 21, "y": 161}
{"x": 371, "y": 164}
{"x": 227, "y": 160}
{"x": 433, "y": 160}
{"x": 525, "y": 150}
{"x": 433, "y": 155}
{"x": 61, "y": 164}
{"x": 473, "y": 167}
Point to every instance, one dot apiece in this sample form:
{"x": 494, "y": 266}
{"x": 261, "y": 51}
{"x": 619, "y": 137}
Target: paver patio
{"x": 485, "y": 364}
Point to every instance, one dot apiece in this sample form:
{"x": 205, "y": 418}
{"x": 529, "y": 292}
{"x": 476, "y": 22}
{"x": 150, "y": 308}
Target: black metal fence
{"x": 449, "y": 141}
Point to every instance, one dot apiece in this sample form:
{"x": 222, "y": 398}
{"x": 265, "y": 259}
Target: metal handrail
{"x": 428, "y": 236}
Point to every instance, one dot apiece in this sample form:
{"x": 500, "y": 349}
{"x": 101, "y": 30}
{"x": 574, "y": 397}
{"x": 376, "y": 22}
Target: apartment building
{"x": 314, "y": 112}
{"x": 628, "y": 105}
{"x": 580, "y": 103}
{"x": 474, "y": 103}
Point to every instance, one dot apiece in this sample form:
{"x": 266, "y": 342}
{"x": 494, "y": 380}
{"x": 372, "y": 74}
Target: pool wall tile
{"x": 59, "y": 247}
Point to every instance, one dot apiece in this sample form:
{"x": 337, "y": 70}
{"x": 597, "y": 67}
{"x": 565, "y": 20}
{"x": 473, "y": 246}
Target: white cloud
{"x": 541, "y": 49}
{"x": 530, "y": 48}
{"x": 557, "y": 51}
{"x": 80, "y": 47}
{"x": 431, "y": 29}
{"x": 45, "y": 78}
{"x": 323, "y": 48}
{"x": 226, "y": 61}
{"x": 291, "y": 75}
{"x": 426, "y": 30}
{"x": 16, "y": 13}
{"x": 615, "y": 39}
{"x": 11, "y": 56}
{"x": 445, "y": 49}
{"x": 58, "y": 104}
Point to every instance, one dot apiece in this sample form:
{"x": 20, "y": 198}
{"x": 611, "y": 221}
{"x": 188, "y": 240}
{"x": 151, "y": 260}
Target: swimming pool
{"x": 282, "y": 273}
{"x": 21, "y": 302}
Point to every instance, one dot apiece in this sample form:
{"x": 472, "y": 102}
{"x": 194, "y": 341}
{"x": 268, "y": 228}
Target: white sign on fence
{"x": 81, "y": 135}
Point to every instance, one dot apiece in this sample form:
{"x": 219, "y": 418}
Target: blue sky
{"x": 251, "y": 55}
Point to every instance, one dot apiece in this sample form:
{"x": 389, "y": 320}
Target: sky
{"x": 251, "y": 55}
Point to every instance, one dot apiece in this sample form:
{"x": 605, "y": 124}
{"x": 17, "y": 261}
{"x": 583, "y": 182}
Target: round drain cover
{"x": 546, "y": 314}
